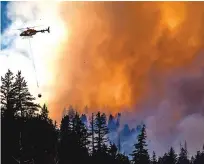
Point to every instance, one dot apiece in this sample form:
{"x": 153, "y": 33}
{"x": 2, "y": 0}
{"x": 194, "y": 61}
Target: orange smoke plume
{"x": 113, "y": 46}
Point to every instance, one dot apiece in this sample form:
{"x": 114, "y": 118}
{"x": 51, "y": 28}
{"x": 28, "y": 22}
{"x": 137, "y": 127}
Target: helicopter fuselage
{"x": 31, "y": 32}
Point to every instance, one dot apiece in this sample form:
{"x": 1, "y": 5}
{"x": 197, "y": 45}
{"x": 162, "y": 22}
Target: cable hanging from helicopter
{"x": 29, "y": 32}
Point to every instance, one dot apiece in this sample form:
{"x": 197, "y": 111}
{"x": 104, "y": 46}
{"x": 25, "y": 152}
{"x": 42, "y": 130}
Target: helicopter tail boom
{"x": 48, "y": 30}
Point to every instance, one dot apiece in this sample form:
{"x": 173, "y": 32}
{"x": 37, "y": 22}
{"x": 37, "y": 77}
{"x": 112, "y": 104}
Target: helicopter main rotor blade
{"x": 35, "y": 26}
{"x": 27, "y": 27}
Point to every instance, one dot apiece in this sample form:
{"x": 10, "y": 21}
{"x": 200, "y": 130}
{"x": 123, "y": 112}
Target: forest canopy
{"x": 29, "y": 135}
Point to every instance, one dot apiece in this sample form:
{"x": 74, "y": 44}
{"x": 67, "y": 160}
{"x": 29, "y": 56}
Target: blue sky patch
{"x": 5, "y": 22}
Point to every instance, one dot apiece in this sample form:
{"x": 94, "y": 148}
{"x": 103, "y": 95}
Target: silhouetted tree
{"x": 80, "y": 131}
{"x": 113, "y": 151}
{"x": 24, "y": 100}
{"x": 171, "y": 157}
{"x": 122, "y": 159}
{"x": 154, "y": 158}
{"x": 26, "y": 138}
{"x": 84, "y": 120}
{"x": 44, "y": 112}
{"x": 160, "y": 160}
{"x": 13, "y": 91}
{"x": 32, "y": 137}
{"x": 101, "y": 130}
{"x": 8, "y": 131}
{"x": 183, "y": 156}
{"x": 8, "y": 94}
{"x": 71, "y": 112}
{"x": 140, "y": 154}
{"x": 65, "y": 133}
{"x": 199, "y": 157}
{"x": 92, "y": 133}
{"x": 39, "y": 139}
{"x": 73, "y": 140}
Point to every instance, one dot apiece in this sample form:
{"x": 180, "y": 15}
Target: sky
{"x": 18, "y": 53}
{"x": 5, "y": 22}
{"x": 141, "y": 59}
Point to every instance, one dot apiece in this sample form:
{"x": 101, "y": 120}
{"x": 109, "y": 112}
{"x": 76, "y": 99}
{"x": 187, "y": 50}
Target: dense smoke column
{"x": 108, "y": 60}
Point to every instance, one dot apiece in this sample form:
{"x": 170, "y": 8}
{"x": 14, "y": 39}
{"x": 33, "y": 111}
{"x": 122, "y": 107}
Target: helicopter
{"x": 30, "y": 31}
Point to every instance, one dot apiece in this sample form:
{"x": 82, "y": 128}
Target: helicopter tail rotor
{"x": 48, "y": 29}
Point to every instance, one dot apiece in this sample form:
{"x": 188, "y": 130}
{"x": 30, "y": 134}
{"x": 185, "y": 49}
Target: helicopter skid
{"x": 27, "y": 37}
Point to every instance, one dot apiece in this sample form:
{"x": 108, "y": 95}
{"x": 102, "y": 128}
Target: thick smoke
{"x": 112, "y": 46}
{"x": 136, "y": 58}
{"x": 177, "y": 114}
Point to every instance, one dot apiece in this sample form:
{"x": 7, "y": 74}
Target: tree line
{"x": 29, "y": 136}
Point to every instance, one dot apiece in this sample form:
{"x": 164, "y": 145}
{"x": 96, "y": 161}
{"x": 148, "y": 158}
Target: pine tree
{"x": 113, "y": 151}
{"x": 64, "y": 112}
{"x": 154, "y": 158}
{"x": 65, "y": 133}
{"x": 192, "y": 160}
{"x": 25, "y": 104}
{"x": 183, "y": 156}
{"x": 74, "y": 140}
{"x": 71, "y": 112}
{"x": 122, "y": 159}
{"x": 140, "y": 154}
{"x": 15, "y": 97}
{"x": 9, "y": 131}
{"x": 160, "y": 160}
{"x": 119, "y": 142}
{"x": 92, "y": 133}
{"x": 101, "y": 130}
{"x": 8, "y": 94}
{"x": 65, "y": 127}
{"x": 199, "y": 157}
{"x": 202, "y": 154}
{"x": 163, "y": 159}
{"x": 84, "y": 120}
{"x": 104, "y": 150}
{"x": 171, "y": 157}
{"x": 79, "y": 138}
{"x": 80, "y": 131}
{"x": 44, "y": 112}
